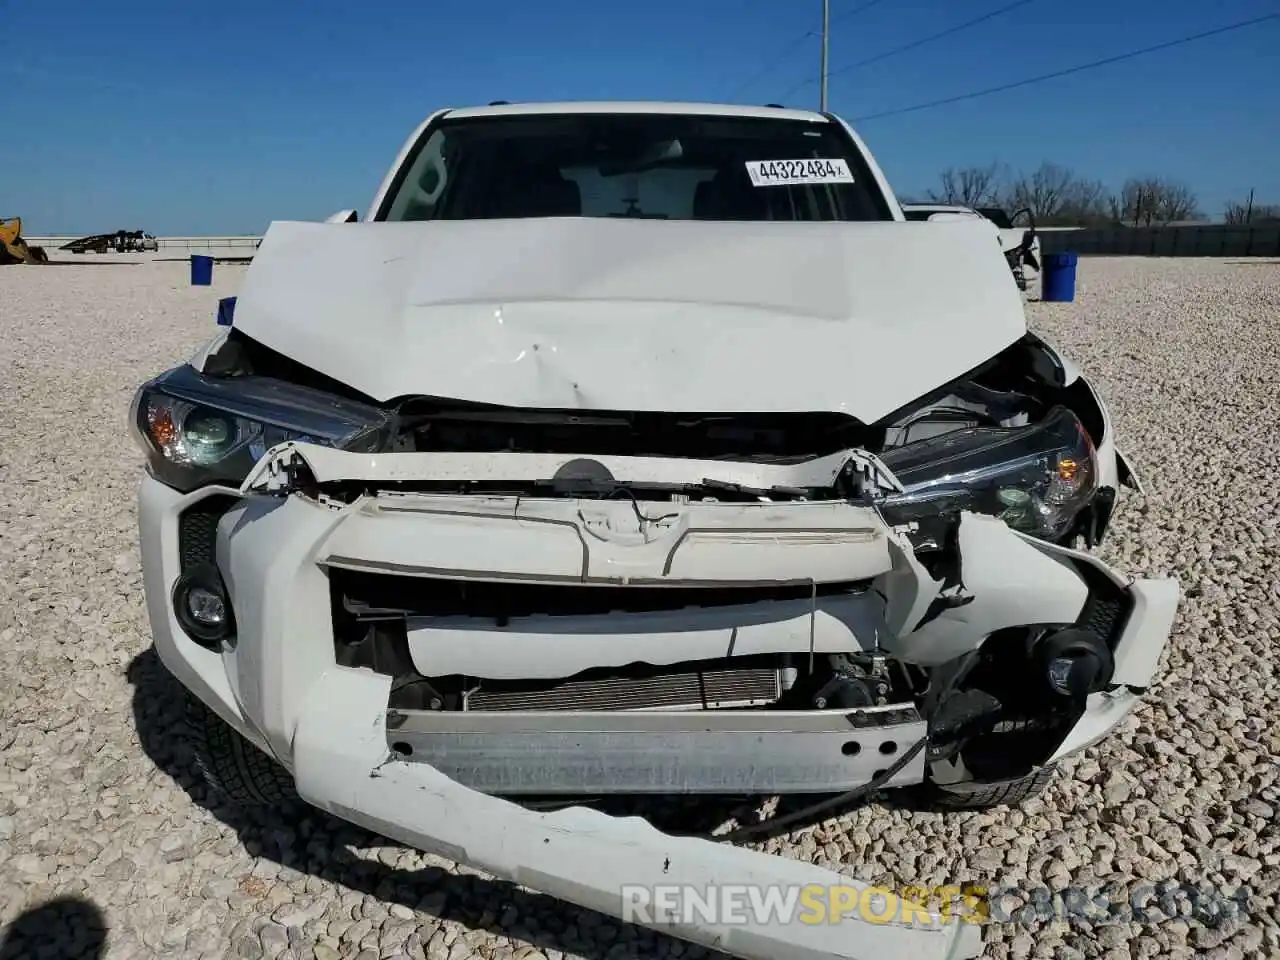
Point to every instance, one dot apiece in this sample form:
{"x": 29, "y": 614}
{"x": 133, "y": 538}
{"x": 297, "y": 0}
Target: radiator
{"x": 691, "y": 690}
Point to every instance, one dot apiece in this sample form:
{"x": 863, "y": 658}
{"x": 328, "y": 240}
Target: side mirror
{"x": 342, "y": 216}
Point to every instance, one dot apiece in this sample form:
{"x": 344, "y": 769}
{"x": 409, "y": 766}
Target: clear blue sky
{"x": 181, "y": 117}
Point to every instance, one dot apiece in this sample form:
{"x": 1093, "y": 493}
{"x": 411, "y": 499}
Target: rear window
{"x": 667, "y": 167}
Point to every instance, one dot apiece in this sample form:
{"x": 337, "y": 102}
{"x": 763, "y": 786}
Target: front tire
{"x": 983, "y": 796}
{"x": 233, "y": 767}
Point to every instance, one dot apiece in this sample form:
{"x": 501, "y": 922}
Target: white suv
{"x": 620, "y": 448}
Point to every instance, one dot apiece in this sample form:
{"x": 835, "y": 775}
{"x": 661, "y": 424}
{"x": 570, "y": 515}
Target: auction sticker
{"x": 779, "y": 173}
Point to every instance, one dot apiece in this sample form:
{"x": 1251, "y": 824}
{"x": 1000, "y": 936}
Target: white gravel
{"x": 99, "y": 802}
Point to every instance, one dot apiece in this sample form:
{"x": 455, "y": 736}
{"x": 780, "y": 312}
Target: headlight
{"x": 199, "y": 430}
{"x": 1036, "y": 478}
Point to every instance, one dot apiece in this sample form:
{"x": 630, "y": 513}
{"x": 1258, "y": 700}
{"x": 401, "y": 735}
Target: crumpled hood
{"x": 606, "y": 314}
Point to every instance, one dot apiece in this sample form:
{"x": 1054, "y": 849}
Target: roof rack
{"x": 499, "y": 103}
{"x": 778, "y": 105}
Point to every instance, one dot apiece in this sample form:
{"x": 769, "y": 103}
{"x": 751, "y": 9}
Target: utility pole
{"x": 1248, "y": 214}
{"x": 826, "y": 30}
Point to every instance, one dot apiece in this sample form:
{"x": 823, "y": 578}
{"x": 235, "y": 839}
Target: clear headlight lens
{"x": 200, "y": 429}
{"x": 1036, "y": 478}
{"x": 189, "y": 434}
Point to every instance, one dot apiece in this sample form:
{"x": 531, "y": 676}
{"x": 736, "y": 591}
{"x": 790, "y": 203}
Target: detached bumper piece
{"x": 582, "y": 856}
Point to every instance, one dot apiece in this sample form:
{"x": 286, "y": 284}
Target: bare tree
{"x": 1044, "y": 191}
{"x": 969, "y": 186}
{"x": 1147, "y": 201}
{"x": 1243, "y": 213}
{"x": 1055, "y": 195}
{"x": 1086, "y": 202}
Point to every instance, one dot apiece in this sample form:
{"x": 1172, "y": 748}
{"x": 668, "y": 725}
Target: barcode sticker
{"x": 777, "y": 173}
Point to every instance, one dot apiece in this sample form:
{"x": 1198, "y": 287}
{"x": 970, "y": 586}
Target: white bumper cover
{"x": 578, "y": 855}
{"x": 281, "y": 688}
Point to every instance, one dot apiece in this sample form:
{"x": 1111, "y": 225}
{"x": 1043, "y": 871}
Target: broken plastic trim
{"x": 278, "y": 470}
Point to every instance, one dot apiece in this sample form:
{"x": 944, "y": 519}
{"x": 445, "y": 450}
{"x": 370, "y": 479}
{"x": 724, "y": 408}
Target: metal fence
{"x": 1216, "y": 240}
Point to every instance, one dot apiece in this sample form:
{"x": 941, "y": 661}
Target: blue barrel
{"x": 1058, "y": 277}
{"x": 201, "y": 270}
{"x": 226, "y": 311}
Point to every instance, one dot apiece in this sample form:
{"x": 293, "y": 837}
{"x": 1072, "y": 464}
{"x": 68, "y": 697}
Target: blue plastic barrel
{"x": 226, "y": 311}
{"x": 1058, "y": 277}
{"x": 201, "y": 270}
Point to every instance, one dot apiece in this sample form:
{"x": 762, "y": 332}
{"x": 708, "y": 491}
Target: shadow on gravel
{"x": 311, "y": 841}
{"x": 62, "y": 929}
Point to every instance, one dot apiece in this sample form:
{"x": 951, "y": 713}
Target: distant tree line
{"x": 1250, "y": 212}
{"x": 1056, "y": 196}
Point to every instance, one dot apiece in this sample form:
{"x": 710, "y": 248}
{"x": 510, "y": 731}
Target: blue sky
{"x": 220, "y": 117}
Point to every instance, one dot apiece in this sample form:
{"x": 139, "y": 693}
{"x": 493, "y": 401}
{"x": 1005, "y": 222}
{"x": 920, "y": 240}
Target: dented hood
{"x": 607, "y": 314}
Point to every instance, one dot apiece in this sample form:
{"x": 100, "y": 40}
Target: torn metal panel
{"x": 1002, "y": 581}
{"x": 909, "y": 590}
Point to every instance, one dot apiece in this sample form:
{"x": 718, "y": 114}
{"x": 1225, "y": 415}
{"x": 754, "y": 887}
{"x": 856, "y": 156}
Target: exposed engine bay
{"x": 1016, "y": 390}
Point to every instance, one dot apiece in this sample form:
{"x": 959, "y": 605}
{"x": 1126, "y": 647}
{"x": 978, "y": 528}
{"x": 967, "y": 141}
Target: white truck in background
{"x": 1020, "y": 244}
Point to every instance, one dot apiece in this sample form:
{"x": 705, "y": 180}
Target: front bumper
{"x": 578, "y": 855}
{"x": 281, "y": 687}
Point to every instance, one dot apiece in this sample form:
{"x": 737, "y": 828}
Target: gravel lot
{"x": 99, "y": 803}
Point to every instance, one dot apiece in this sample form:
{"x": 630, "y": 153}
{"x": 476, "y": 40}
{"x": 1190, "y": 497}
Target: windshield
{"x": 669, "y": 167}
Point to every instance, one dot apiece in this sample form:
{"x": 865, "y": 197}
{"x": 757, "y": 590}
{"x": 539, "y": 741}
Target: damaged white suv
{"x": 622, "y": 449}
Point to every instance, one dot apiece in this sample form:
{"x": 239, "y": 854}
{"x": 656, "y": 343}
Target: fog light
{"x": 201, "y": 605}
{"x": 1075, "y": 676}
{"x": 1075, "y": 663}
{"x": 1060, "y": 674}
{"x": 206, "y": 607}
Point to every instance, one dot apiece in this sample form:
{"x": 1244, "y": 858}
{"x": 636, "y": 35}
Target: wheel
{"x": 980, "y": 796}
{"x": 231, "y": 765}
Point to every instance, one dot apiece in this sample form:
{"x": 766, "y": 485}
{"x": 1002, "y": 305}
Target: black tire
{"x": 982, "y": 796}
{"x": 232, "y": 766}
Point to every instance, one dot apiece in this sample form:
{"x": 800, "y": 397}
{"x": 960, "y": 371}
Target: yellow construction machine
{"x": 13, "y": 249}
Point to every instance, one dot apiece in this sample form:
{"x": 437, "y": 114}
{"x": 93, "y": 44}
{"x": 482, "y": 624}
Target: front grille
{"x": 691, "y": 690}
{"x": 1101, "y": 615}
{"x": 1106, "y": 610}
{"x": 198, "y": 530}
{"x": 361, "y": 593}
